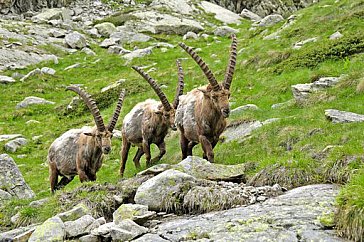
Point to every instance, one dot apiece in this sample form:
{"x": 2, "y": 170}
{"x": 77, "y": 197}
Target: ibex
{"x": 201, "y": 113}
{"x": 80, "y": 151}
{"x": 148, "y": 123}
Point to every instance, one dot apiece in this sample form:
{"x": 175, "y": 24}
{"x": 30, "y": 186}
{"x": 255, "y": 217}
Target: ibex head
{"x": 166, "y": 109}
{"x": 218, "y": 93}
{"x": 102, "y": 134}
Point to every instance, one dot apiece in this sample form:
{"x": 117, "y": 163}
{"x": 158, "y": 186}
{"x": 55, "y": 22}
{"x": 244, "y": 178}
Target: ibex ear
{"x": 88, "y": 134}
{"x": 204, "y": 91}
{"x": 158, "y": 112}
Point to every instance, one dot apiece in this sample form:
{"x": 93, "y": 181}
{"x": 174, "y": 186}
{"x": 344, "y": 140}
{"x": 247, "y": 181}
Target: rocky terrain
{"x": 275, "y": 191}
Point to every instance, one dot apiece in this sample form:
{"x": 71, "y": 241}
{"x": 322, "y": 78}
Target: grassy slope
{"x": 265, "y": 71}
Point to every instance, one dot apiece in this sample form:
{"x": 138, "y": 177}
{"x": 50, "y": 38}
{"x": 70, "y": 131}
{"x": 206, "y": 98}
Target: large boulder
{"x": 250, "y": 15}
{"x": 136, "y": 212}
{"x": 49, "y": 14}
{"x": 224, "y": 31}
{"x": 124, "y": 231}
{"x": 337, "y": 116}
{"x": 138, "y": 53}
{"x": 52, "y": 229}
{"x": 78, "y": 227}
{"x": 123, "y": 35}
{"x": 77, "y": 212}
{"x": 222, "y": 14}
{"x": 270, "y": 20}
{"x": 168, "y": 186}
{"x": 75, "y": 40}
{"x": 105, "y": 29}
{"x": 32, "y": 101}
{"x": 11, "y": 180}
{"x": 177, "y": 6}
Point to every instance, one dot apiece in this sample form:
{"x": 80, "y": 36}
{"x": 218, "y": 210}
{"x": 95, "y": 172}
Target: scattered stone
{"x": 103, "y": 230}
{"x": 88, "y": 51}
{"x": 14, "y": 219}
{"x": 38, "y": 203}
{"x": 15, "y": 144}
{"x": 75, "y": 40}
{"x": 336, "y": 35}
{"x": 127, "y": 230}
{"x": 49, "y": 14}
{"x": 118, "y": 50}
{"x": 157, "y": 190}
{"x": 6, "y": 79}
{"x": 18, "y": 233}
{"x": 222, "y": 14}
{"x": 224, "y": 31}
{"x": 107, "y": 43}
{"x": 299, "y": 44}
{"x": 72, "y": 66}
{"x": 52, "y": 229}
{"x": 250, "y": 15}
{"x": 9, "y": 136}
{"x": 270, "y": 20}
{"x": 90, "y": 238}
{"x": 241, "y": 109}
{"x": 31, "y": 73}
{"x": 75, "y": 213}
{"x": 138, "y": 53}
{"x": 177, "y": 6}
{"x": 283, "y": 105}
{"x": 150, "y": 238}
{"x": 113, "y": 86}
{"x": 124, "y": 35}
{"x": 48, "y": 71}
{"x": 79, "y": 226}
{"x": 135, "y": 212}
{"x": 240, "y": 131}
{"x": 97, "y": 223}
{"x": 33, "y": 101}
{"x": 24, "y": 236}
{"x": 105, "y": 29}
{"x": 337, "y": 116}
{"x": 57, "y": 33}
{"x": 190, "y": 35}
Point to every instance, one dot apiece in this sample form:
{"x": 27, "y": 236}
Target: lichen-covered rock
{"x": 138, "y": 53}
{"x": 90, "y": 238}
{"x": 168, "y": 186}
{"x": 177, "y": 6}
{"x": 126, "y": 230}
{"x": 105, "y": 29}
{"x": 75, "y": 40}
{"x": 123, "y": 35}
{"x": 250, "y": 15}
{"x": 11, "y": 180}
{"x": 19, "y": 234}
{"x": 270, "y": 20}
{"x": 79, "y": 226}
{"x": 136, "y": 212}
{"x": 6, "y": 79}
{"x": 224, "y": 31}
{"x": 49, "y": 14}
{"x": 52, "y": 229}
{"x": 241, "y": 109}
{"x": 15, "y": 144}
{"x": 33, "y": 101}
{"x": 4, "y": 195}
{"x": 75, "y": 213}
{"x": 150, "y": 238}
{"x": 203, "y": 169}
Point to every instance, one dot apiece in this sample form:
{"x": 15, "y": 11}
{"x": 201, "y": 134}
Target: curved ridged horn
{"x": 155, "y": 87}
{"x": 91, "y": 104}
{"x": 232, "y": 62}
{"x": 206, "y": 70}
{"x": 116, "y": 114}
{"x": 180, "y": 85}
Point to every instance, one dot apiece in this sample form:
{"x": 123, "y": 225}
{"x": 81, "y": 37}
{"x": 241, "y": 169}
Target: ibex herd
{"x": 200, "y": 116}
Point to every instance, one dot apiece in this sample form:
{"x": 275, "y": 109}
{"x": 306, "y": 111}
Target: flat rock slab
{"x": 337, "y": 116}
{"x": 222, "y": 14}
{"x": 287, "y": 217}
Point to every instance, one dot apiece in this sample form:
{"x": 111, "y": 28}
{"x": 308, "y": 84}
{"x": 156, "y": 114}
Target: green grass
{"x": 265, "y": 71}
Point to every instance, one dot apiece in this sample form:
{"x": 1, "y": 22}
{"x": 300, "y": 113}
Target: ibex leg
{"x": 184, "y": 146}
{"x": 53, "y": 176}
{"x": 162, "y": 151}
{"x": 137, "y": 157}
{"x": 207, "y": 148}
{"x": 124, "y": 155}
{"x": 146, "y": 149}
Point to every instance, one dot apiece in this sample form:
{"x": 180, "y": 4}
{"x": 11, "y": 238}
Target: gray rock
{"x": 107, "y": 43}
{"x": 135, "y": 212}
{"x": 283, "y": 218}
{"x": 79, "y": 226}
{"x": 113, "y": 85}
{"x": 103, "y": 230}
{"x": 250, "y": 15}
{"x": 127, "y": 230}
{"x": 224, "y": 31}
{"x": 97, "y": 223}
{"x": 105, "y": 29}
{"x": 88, "y": 51}
{"x": 270, "y": 20}
{"x": 6, "y": 79}
{"x": 122, "y": 35}
{"x": 138, "y": 53}
{"x": 150, "y": 238}
{"x": 190, "y": 35}
{"x": 90, "y": 238}
{"x": 222, "y": 14}
{"x": 240, "y": 131}
{"x": 12, "y": 179}
{"x": 15, "y": 144}
{"x": 4, "y": 195}
{"x": 49, "y": 14}
{"x": 51, "y": 230}
{"x": 118, "y": 50}
{"x": 18, "y": 234}
{"x": 283, "y": 105}
{"x": 75, "y": 213}
{"x": 203, "y": 169}
{"x": 177, "y": 6}
{"x": 72, "y": 66}
{"x": 155, "y": 192}
{"x": 75, "y": 40}
{"x": 48, "y": 71}
{"x": 39, "y": 202}
{"x": 31, "y": 73}
{"x": 57, "y": 33}
{"x": 299, "y": 44}
{"x": 33, "y": 101}
{"x": 14, "y": 219}
{"x": 241, "y": 109}
{"x": 336, "y": 35}
{"x": 24, "y": 236}
{"x": 9, "y": 136}
{"x": 337, "y": 116}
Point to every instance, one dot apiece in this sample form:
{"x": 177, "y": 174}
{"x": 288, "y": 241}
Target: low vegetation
{"x": 290, "y": 151}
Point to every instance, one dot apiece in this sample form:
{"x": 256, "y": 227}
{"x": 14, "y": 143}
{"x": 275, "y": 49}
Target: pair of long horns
{"x": 179, "y": 91}
{"x": 91, "y": 104}
{"x": 206, "y": 70}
